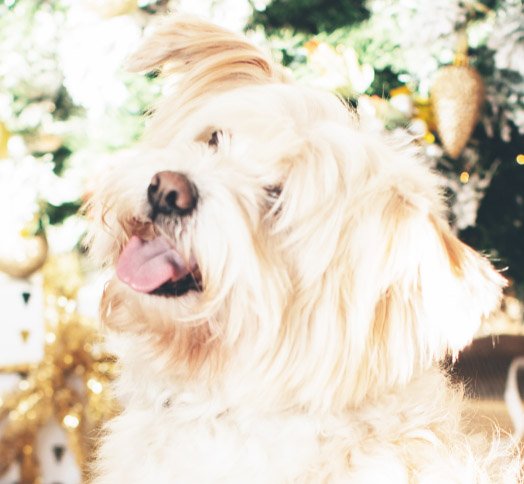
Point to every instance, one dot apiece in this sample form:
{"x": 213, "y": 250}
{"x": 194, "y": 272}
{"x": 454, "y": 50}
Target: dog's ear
{"x": 209, "y": 57}
{"x": 433, "y": 291}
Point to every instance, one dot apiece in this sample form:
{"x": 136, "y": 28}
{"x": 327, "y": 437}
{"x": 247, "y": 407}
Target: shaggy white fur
{"x": 325, "y": 288}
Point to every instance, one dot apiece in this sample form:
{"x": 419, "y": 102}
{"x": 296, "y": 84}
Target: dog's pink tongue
{"x": 146, "y": 265}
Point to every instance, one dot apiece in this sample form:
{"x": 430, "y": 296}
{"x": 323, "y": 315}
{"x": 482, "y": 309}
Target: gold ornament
{"x": 4, "y": 138}
{"x": 72, "y": 351}
{"x": 424, "y": 111}
{"x": 23, "y": 255}
{"x": 111, "y": 8}
{"x": 24, "y": 334}
{"x": 44, "y": 143}
{"x": 464, "y": 177}
{"x": 457, "y": 96}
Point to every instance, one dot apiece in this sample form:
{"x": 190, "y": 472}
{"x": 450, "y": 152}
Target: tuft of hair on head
{"x": 208, "y": 59}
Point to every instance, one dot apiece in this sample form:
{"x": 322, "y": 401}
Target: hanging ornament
{"x": 457, "y": 96}
{"x": 22, "y": 255}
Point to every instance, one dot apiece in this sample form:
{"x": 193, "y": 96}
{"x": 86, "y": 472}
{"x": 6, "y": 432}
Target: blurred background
{"x": 449, "y": 72}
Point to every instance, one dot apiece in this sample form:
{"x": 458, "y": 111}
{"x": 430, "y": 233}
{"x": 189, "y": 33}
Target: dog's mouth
{"x": 155, "y": 267}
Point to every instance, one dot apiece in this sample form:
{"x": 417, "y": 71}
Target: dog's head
{"x": 258, "y": 226}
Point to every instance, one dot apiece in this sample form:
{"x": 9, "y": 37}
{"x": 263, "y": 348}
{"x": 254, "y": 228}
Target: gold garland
{"x": 72, "y": 350}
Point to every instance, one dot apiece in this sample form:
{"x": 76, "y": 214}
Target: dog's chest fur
{"x": 168, "y": 435}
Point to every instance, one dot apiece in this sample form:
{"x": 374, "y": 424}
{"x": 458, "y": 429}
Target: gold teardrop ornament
{"x": 457, "y": 96}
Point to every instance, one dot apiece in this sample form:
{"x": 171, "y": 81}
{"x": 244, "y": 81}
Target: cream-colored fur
{"x": 312, "y": 353}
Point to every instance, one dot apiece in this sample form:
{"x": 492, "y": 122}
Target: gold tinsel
{"x": 457, "y": 96}
{"x": 72, "y": 350}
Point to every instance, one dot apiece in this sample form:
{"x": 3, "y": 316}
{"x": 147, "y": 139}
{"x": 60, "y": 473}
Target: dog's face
{"x": 258, "y": 226}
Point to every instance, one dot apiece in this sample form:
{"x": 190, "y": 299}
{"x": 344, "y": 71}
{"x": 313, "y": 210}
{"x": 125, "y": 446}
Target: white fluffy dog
{"x": 286, "y": 284}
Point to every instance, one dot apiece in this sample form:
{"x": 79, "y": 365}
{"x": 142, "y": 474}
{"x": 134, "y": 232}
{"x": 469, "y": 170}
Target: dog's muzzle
{"x": 152, "y": 264}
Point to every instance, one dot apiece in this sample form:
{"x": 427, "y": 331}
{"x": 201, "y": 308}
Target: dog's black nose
{"x": 171, "y": 193}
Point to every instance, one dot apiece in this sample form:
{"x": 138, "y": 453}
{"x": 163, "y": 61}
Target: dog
{"x": 286, "y": 287}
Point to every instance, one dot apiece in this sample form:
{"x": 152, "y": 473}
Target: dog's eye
{"x": 211, "y": 137}
{"x": 214, "y": 138}
{"x": 273, "y": 192}
{"x": 273, "y": 200}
